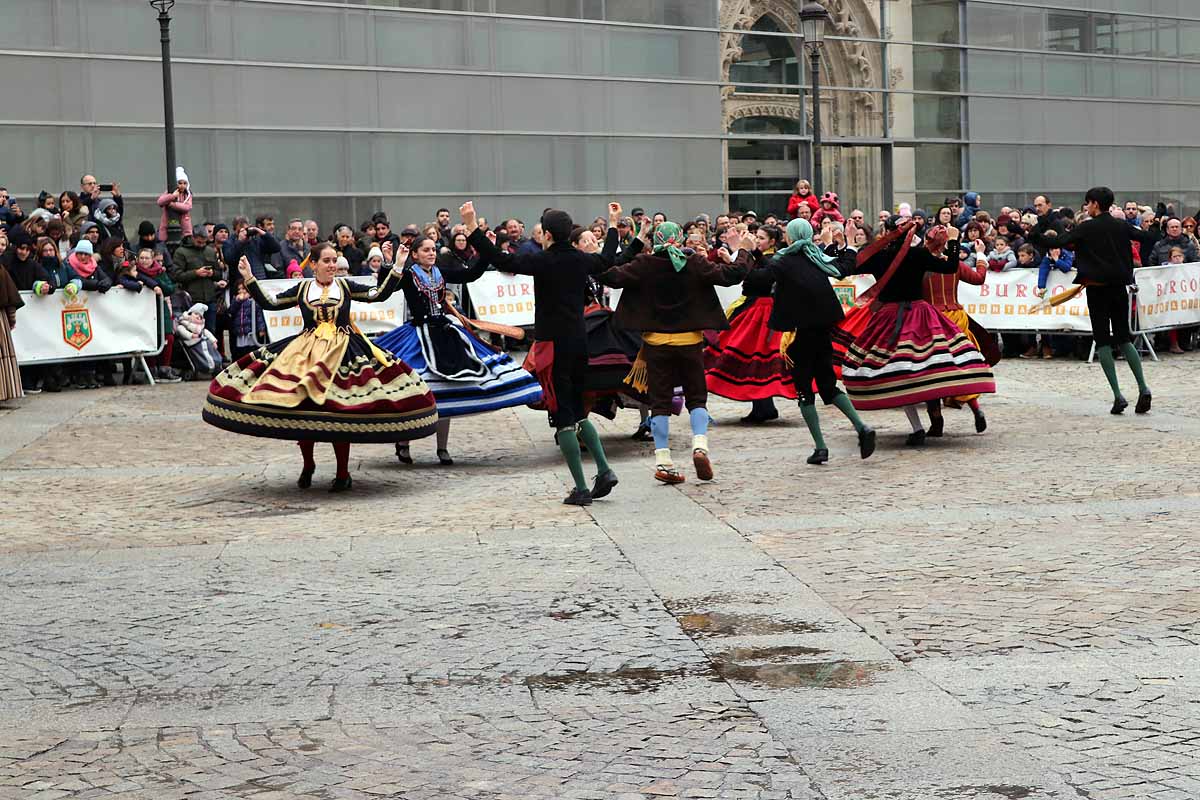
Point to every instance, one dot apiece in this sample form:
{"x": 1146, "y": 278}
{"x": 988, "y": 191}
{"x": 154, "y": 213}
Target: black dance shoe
{"x": 819, "y": 456}
{"x": 915, "y": 439}
{"x": 403, "y": 455}
{"x": 980, "y": 422}
{"x": 578, "y": 497}
{"x": 305, "y": 479}
{"x": 642, "y": 434}
{"x": 1119, "y": 405}
{"x": 1143, "y": 403}
{"x": 341, "y": 484}
{"x": 866, "y": 442}
{"x": 444, "y": 458}
{"x": 937, "y": 425}
{"x": 604, "y": 484}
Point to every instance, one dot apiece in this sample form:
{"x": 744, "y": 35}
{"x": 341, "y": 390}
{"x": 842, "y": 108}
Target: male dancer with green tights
{"x": 1104, "y": 266}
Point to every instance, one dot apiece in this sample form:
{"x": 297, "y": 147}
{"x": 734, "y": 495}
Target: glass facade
{"x": 1010, "y": 98}
{"x": 337, "y": 109}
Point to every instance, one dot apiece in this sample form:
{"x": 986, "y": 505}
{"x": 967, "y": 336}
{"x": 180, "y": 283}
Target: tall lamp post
{"x": 813, "y": 20}
{"x": 164, "y": 26}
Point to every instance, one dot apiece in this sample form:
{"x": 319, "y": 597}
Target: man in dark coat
{"x": 560, "y": 282}
{"x": 669, "y": 296}
{"x": 1104, "y": 264}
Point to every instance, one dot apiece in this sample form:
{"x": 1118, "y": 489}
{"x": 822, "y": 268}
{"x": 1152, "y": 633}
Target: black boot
{"x": 341, "y": 484}
{"x": 819, "y": 456}
{"x": 915, "y": 439}
{"x": 305, "y": 479}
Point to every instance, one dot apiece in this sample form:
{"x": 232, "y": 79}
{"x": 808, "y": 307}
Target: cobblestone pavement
{"x": 1012, "y": 615}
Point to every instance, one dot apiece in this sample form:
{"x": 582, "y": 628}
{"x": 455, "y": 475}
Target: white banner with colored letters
{"x": 1168, "y": 297}
{"x": 371, "y": 318}
{"x": 503, "y": 298}
{"x": 53, "y": 328}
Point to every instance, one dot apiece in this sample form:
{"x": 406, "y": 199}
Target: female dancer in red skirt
{"x": 909, "y": 353}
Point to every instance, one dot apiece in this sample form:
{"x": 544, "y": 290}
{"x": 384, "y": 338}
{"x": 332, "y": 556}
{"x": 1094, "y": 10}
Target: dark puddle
{"x": 717, "y": 623}
{"x": 1010, "y": 792}
{"x": 829, "y": 674}
{"x": 739, "y": 654}
{"x": 625, "y": 681}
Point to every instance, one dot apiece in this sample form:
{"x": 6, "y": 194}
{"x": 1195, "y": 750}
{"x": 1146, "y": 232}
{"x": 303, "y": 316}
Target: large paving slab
{"x": 1012, "y": 615}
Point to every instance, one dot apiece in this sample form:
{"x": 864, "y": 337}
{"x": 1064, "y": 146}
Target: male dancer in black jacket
{"x": 560, "y": 282}
{"x": 1104, "y": 265}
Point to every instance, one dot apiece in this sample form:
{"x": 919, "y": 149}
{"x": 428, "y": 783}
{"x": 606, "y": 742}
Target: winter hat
{"x": 905, "y": 210}
{"x": 198, "y": 308}
{"x": 922, "y": 213}
{"x": 19, "y": 237}
{"x": 220, "y": 226}
{"x": 104, "y": 205}
{"x": 41, "y": 213}
{"x": 145, "y": 228}
{"x": 1031, "y": 219}
{"x": 830, "y": 197}
{"x": 85, "y": 227}
{"x": 180, "y": 175}
{"x": 374, "y": 252}
{"x": 342, "y": 263}
{"x": 84, "y": 246}
{"x": 294, "y": 270}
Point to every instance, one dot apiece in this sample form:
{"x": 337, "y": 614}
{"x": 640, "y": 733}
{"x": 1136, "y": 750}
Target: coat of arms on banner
{"x": 846, "y": 292}
{"x": 76, "y": 321}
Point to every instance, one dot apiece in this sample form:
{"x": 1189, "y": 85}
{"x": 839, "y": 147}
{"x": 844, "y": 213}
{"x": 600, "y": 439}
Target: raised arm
{"x": 388, "y": 284}
{"x": 289, "y": 298}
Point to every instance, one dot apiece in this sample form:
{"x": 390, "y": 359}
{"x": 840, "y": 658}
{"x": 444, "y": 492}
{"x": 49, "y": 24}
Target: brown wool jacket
{"x": 657, "y": 299}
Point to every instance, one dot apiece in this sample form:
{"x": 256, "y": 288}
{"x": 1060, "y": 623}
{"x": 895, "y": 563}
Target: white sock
{"x": 914, "y": 419}
{"x": 700, "y": 442}
{"x": 662, "y": 458}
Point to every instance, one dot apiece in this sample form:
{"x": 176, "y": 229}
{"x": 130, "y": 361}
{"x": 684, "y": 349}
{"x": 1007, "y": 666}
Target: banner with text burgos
{"x": 503, "y": 298}
{"x": 371, "y": 318}
{"x": 55, "y": 327}
{"x": 1168, "y": 297}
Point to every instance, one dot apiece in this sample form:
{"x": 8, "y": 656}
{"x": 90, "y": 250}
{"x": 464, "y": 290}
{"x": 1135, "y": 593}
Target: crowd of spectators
{"x": 79, "y": 241}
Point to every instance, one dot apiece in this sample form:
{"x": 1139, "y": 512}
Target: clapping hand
{"x": 614, "y": 214}
{"x": 387, "y": 252}
{"x": 747, "y": 243}
{"x": 401, "y": 255}
{"x": 467, "y": 210}
{"x": 244, "y": 269}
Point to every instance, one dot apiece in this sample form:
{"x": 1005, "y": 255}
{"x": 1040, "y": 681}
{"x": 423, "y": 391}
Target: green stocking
{"x": 1105, "y": 354}
{"x": 813, "y": 422}
{"x": 1135, "y": 364}
{"x": 592, "y": 439}
{"x": 846, "y": 407}
{"x": 569, "y": 446}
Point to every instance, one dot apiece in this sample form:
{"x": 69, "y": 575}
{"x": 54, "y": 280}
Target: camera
{"x": 106, "y": 187}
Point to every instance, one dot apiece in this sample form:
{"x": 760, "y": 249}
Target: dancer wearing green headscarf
{"x": 806, "y": 309}
{"x": 669, "y": 296}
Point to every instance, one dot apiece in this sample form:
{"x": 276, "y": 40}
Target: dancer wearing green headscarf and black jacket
{"x": 669, "y": 296}
{"x": 806, "y": 309}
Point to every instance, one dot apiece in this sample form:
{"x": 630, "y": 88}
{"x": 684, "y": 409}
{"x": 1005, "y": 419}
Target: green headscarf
{"x": 667, "y": 237}
{"x": 800, "y": 233}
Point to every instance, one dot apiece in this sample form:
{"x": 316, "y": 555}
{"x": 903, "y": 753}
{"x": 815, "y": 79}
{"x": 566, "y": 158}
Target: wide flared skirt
{"x": 10, "y": 374}
{"x": 745, "y": 362}
{"x": 899, "y": 361}
{"x": 473, "y": 380}
{"x": 325, "y": 388}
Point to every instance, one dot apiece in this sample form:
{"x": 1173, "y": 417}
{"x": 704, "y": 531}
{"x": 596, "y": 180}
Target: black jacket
{"x": 908, "y": 282}
{"x": 804, "y": 298}
{"x": 560, "y": 278}
{"x": 1103, "y": 248}
{"x": 660, "y": 299}
{"x": 25, "y": 273}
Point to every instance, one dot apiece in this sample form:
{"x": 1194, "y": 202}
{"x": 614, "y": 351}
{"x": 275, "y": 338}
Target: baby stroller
{"x": 183, "y": 359}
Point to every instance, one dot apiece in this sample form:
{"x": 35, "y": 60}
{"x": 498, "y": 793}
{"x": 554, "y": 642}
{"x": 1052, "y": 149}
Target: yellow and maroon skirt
{"x": 324, "y": 385}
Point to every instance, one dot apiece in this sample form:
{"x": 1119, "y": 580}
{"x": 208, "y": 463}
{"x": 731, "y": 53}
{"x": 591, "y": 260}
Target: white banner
{"x": 1002, "y": 303}
{"x": 371, "y": 318}
{"x": 503, "y": 298}
{"x": 1168, "y": 297}
{"x": 53, "y": 328}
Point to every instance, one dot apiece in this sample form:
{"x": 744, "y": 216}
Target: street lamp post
{"x": 164, "y": 26}
{"x": 813, "y": 20}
